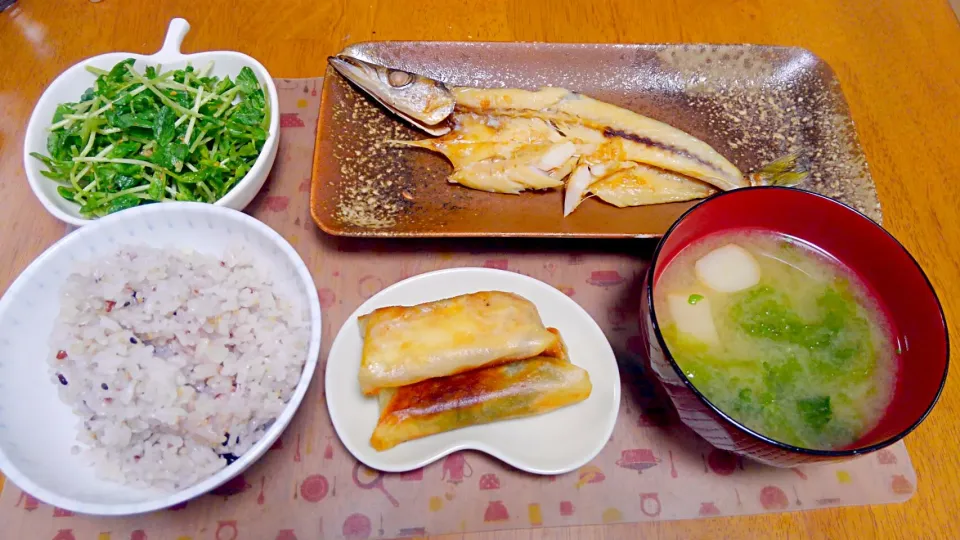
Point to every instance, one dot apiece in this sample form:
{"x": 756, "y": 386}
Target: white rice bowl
{"x": 176, "y": 361}
{"x": 50, "y": 452}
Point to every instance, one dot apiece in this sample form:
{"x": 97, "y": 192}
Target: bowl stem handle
{"x": 175, "y": 33}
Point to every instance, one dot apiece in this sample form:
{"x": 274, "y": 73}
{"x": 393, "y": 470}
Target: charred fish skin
{"x": 424, "y": 102}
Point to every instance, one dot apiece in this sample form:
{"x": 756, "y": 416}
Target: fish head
{"x": 422, "y": 101}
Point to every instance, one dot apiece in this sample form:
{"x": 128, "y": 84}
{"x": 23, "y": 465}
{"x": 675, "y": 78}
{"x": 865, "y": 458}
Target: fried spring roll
{"x": 513, "y": 390}
{"x": 405, "y": 345}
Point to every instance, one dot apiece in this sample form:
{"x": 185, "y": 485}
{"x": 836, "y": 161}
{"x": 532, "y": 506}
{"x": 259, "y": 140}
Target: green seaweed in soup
{"x": 802, "y": 354}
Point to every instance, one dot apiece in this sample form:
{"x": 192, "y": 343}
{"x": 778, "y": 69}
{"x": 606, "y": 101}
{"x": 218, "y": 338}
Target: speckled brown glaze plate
{"x": 752, "y": 103}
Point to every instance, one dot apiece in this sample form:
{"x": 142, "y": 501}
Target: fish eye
{"x": 399, "y": 79}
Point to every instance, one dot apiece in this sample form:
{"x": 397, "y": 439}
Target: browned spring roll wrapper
{"x": 513, "y": 390}
{"x": 404, "y": 345}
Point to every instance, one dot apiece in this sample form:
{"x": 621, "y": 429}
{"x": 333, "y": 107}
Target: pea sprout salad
{"x": 137, "y": 138}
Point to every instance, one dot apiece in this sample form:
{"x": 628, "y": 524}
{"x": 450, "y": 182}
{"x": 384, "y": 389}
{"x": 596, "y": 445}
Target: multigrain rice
{"x": 177, "y": 362}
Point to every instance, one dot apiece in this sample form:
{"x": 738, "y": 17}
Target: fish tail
{"x": 787, "y": 170}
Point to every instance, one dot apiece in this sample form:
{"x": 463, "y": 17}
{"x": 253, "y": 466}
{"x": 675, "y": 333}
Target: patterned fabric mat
{"x": 309, "y": 487}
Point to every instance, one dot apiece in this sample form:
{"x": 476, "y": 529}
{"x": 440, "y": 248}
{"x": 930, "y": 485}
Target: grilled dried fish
{"x": 637, "y": 138}
{"x": 512, "y": 140}
{"x": 508, "y": 141}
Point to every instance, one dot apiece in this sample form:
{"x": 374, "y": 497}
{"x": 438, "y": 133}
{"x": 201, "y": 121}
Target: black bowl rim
{"x": 781, "y": 445}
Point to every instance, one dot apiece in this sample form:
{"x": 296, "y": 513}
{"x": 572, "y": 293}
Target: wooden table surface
{"x": 898, "y": 62}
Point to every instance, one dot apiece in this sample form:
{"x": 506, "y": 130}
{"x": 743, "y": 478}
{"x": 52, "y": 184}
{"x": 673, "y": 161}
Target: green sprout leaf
{"x": 140, "y": 136}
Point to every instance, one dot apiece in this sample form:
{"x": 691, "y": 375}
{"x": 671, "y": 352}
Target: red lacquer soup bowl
{"x": 886, "y": 268}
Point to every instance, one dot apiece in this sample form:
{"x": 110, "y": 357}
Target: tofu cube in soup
{"x": 728, "y": 269}
{"x": 692, "y": 314}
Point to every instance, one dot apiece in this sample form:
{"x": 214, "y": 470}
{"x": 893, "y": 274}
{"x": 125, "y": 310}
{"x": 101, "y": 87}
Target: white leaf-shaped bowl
{"x": 37, "y": 429}
{"x": 71, "y": 84}
{"x": 551, "y": 443}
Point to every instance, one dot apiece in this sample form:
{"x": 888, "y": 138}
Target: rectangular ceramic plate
{"x": 752, "y": 103}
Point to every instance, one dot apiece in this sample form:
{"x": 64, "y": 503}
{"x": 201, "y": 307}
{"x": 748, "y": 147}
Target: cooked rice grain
{"x": 176, "y": 361}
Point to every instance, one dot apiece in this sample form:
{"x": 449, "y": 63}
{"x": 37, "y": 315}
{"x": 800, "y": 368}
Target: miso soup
{"x": 780, "y": 336}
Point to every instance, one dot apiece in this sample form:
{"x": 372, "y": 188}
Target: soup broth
{"x": 780, "y": 336}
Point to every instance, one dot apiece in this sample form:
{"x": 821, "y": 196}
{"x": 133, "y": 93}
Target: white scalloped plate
{"x": 552, "y": 443}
